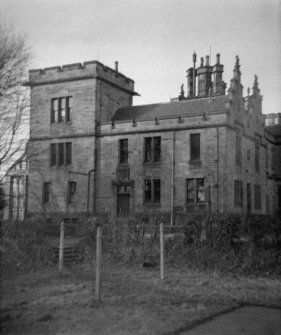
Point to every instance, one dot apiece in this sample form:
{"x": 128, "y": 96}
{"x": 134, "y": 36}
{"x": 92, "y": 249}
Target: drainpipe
{"x": 88, "y": 191}
{"x": 172, "y": 181}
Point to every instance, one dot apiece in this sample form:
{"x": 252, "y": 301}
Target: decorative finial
{"x": 237, "y": 61}
{"x": 218, "y": 59}
{"x": 248, "y": 91}
{"x": 181, "y": 96}
{"x": 256, "y": 81}
{"x": 202, "y": 61}
{"x": 194, "y": 57}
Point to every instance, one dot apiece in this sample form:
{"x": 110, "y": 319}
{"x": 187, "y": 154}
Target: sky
{"x": 153, "y": 40}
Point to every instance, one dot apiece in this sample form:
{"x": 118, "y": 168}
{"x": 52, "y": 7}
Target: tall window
{"x": 46, "y": 193}
{"x": 152, "y": 149}
{"x": 152, "y": 191}
{"x": 257, "y": 190}
{"x": 257, "y": 154}
{"x": 61, "y": 109}
{"x": 194, "y": 146}
{"x": 68, "y": 153}
{"x": 53, "y": 154}
{"x": 60, "y": 154}
{"x": 238, "y": 146}
{"x": 71, "y": 191}
{"x": 123, "y": 151}
{"x": 238, "y": 193}
{"x": 195, "y": 189}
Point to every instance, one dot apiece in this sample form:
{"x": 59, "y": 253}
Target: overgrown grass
{"x": 226, "y": 242}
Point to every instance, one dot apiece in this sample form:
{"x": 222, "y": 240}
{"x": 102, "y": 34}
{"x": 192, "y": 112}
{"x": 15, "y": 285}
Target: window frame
{"x": 61, "y": 109}
{"x": 238, "y": 193}
{"x": 155, "y": 157}
{"x": 123, "y": 151}
{"x": 195, "y": 199}
{"x": 154, "y": 199}
{"x": 46, "y": 192}
{"x": 257, "y": 197}
{"x": 194, "y": 139}
{"x": 71, "y": 191}
{"x": 60, "y": 154}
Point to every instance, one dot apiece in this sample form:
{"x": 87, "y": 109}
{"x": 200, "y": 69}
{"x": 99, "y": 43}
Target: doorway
{"x": 123, "y": 204}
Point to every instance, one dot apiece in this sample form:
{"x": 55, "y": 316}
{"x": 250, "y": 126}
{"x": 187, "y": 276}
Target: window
{"x": 194, "y": 147}
{"x": 123, "y": 151}
{"x": 195, "y": 190}
{"x": 238, "y": 146}
{"x": 46, "y": 193}
{"x": 257, "y": 190}
{"x": 60, "y": 154}
{"x": 152, "y": 149}
{"x": 152, "y": 191}
{"x": 71, "y": 191}
{"x": 68, "y": 153}
{"x": 238, "y": 193}
{"x": 53, "y": 154}
{"x": 61, "y": 109}
{"x": 257, "y": 154}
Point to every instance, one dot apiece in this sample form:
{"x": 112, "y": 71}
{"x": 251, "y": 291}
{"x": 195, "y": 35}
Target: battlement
{"x": 79, "y": 71}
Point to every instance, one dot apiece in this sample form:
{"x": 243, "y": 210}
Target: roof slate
{"x": 170, "y": 109}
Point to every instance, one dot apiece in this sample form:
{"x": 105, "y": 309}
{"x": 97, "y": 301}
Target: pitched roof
{"x": 170, "y": 109}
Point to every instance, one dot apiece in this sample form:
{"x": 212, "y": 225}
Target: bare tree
{"x": 14, "y": 97}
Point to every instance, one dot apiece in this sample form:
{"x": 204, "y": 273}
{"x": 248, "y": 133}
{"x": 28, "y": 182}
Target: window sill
{"x": 152, "y": 205}
{"x": 195, "y": 161}
{"x": 152, "y": 163}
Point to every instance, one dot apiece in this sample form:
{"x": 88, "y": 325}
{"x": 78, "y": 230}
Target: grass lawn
{"x": 134, "y": 300}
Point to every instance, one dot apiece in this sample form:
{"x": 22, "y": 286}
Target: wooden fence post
{"x": 98, "y": 264}
{"x": 61, "y": 250}
{"x": 162, "y": 248}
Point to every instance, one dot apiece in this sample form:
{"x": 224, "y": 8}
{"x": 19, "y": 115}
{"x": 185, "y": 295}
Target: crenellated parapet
{"x": 80, "y": 71}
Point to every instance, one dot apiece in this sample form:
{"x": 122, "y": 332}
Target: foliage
{"x": 219, "y": 242}
{"x": 14, "y": 100}
{"x": 2, "y": 198}
{"x": 24, "y": 241}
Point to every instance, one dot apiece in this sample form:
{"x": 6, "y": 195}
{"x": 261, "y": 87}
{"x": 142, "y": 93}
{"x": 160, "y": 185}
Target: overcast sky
{"x": 154, "y": 40}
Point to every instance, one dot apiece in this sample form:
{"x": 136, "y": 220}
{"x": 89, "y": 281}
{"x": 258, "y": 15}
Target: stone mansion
{"x": 92, "y": 152}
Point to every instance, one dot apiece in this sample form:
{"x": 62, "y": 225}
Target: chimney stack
{"x": 218, "y": 84}
{"x": 204, "y": 77}
{"x": 116, "y": 66}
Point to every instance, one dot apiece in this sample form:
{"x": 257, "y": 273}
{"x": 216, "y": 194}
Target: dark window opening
{"x": 257, "y": 154}
{"x": 71, "y": 191}
{"x": 195, "y": 146}
{"x": 61, "y": 109}
{"x": 123, "y": 151}
{"x": 152, "y": 191}
{"x": 195, "y": 190}
{"x": 238, "y": 146}
{"x": 238, "y": 193}
{"x": 257, "y": 195}
{"x": 60, "y": 154}
{"x": 46, "y": 193}
{"x": 68, "y": 153}
{"x": 53, "y": 154}
{"x": 152, "y": 149}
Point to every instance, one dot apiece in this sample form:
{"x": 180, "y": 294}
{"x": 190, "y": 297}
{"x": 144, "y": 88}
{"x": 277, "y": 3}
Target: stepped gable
{"x": 171, "y": 109}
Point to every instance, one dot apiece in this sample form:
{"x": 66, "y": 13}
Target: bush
{"x": 24, "y": 241}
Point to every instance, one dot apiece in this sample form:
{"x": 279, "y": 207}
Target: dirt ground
{"x": 134, "y": 300}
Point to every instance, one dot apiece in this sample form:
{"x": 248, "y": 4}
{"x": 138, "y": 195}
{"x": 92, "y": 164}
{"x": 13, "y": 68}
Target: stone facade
{"x": 204, "y": 153}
